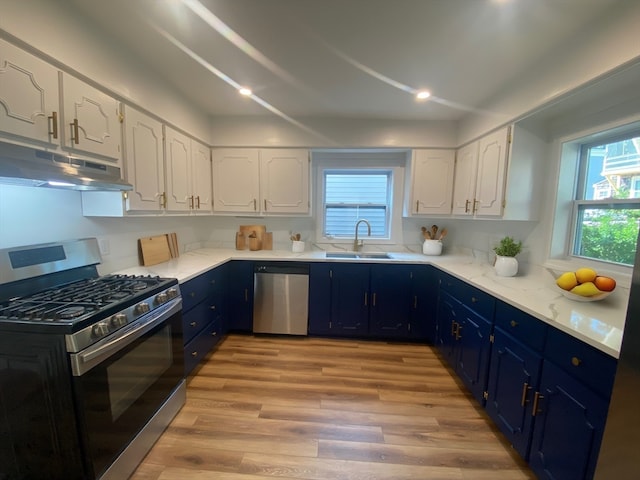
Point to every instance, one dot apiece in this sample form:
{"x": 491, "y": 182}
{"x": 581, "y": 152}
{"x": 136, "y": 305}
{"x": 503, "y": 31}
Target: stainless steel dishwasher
{"x": 281, "y": 298}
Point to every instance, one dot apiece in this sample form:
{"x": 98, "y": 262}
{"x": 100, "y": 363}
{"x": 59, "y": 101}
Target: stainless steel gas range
{"x": 91, "y": 367}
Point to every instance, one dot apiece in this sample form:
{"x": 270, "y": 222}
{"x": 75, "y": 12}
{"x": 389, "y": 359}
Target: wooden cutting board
{"x": 154, "y": 250}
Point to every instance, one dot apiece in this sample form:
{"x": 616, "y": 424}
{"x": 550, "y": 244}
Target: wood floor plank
{"x": 304, "y": 408}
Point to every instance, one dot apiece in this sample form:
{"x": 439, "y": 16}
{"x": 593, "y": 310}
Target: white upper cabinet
{"x": 201, "y": 177}
{"x": 91, "y": 120}
{"x": 144, "y": 161}
{"x": 480, "y": 175}
{"x": 236, "y": 186}
{"x": 431, "y": 182}
{"x": 29, "y": 96}
{"x": 284, "y": 181}
{"x": 262, "y": 181}
{"x": 178, "y": 171}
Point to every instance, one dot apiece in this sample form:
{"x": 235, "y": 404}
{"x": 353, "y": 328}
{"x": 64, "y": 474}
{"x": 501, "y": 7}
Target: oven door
{"x": 120, "y": 383}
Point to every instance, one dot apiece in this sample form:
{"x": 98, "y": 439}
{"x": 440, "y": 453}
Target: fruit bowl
{"x": 580, "y": 298}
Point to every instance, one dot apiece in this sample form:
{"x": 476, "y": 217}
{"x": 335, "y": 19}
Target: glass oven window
{"x": 130, "y": 376}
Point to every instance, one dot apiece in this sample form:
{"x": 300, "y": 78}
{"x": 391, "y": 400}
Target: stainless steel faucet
{"x": 357, "y": 245}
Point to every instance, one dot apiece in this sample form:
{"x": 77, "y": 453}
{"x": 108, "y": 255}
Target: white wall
{"x": 51, "y": 27}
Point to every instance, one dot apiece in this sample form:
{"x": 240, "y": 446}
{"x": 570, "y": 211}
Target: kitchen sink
{"x": 358, "y": 255}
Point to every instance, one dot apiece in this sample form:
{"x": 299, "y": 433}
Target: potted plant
{"x": 506, "y": 264}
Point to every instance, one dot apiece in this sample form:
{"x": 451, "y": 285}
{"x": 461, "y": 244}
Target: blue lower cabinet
{"x": 513, "y": 379}
{"x": 350, "y": 299}
{"x": 473, "y": 351}
{"x": 568, "y": 427}
{"x": 320, "y": 298}
{"x": 424, "y": 298}
{"x": 240, "y": 296}
{"x": 200, "y": 346}
{"x": 446, "y": 322}
{"x": 390, "y": 302}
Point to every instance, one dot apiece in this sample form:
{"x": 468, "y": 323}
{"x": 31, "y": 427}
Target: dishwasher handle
{"x": 288, "y": 268}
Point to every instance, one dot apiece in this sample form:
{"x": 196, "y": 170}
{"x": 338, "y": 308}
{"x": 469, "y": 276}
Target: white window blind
{"x": 354, "y": 195}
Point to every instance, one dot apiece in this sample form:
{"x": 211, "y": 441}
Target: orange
{"x": 606, "y": 284}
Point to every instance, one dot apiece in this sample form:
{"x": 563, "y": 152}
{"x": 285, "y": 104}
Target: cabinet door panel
{"x": 568, "y": 427}
{"x": 28, "y": 95}
{"x": 284, "y": 181}
{"x": 349, "y": 299}
{"x": 240, "y": 295}
{"x": 390, "y": 300}
{"x": 178, "y": 165}
{"x": 473, "y": 360}
{"x": 144, "y": 161}
{"x": 447, "y": 318}
{"x": 235, "y": 180}
{"x": 492, "y": 162}
{"x": 513, "y": 378}
{"x": 432, "y": 182}
{"x": 201, "y": 177}
{"x": 98, "y": 119}
{"x": 465, "y": 180}
{"x": 319, "y": 298}
{"x": 424, "y": 303}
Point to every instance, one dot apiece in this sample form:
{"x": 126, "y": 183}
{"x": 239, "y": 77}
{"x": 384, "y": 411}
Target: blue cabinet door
{"x": 474, "y": 348}
{"x": 390, "y": 301}
{"x": 513, "y": 378}
{"x": 568, "y": 427}
{"x": 240, "y": 296}
{"x": 349, "y": 299}
{"x": 320, "y": 298}
{"x": 424, "y": 300}
{"x": 447, "y": 321}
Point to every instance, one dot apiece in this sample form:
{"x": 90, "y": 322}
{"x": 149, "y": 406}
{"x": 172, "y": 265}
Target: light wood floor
{"x": 306, "y": 408}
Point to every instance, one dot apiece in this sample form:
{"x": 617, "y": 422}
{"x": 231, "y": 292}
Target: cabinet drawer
{"x": 585, "y": 363}
{"x": 197, "y": 318}
{"x": 521, "y": 325}
{"x": 471, "y": 297}
{"x": 200, "y": 346}
{"x": 199, "y": 288}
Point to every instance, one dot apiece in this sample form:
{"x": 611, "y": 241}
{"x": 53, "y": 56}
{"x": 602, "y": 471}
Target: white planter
{"x": 297, "y": 246}
{"x": 432, "y": 247}
{"x": 506, "y": 266}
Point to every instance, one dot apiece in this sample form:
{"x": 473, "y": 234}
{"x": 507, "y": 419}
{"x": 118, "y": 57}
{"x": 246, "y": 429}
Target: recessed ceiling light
{"x": 423, "y": 94}
{"x": 245, "y": 91}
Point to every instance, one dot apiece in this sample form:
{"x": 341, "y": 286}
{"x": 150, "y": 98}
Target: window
{"x": 352, "y": 195}
{"x": 606, "y": 206}
{"x": 352, "y": 185}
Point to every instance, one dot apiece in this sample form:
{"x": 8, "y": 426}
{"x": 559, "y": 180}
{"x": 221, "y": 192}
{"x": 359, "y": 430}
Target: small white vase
{"x": 506, "y": 266}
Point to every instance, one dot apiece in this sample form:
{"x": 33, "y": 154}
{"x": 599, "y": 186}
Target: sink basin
{"x": 357, "y": 255}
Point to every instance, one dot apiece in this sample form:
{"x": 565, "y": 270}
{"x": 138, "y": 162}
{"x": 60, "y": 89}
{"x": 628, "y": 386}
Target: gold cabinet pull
{"x": 513, "y": 323}
{"x": 466, "y": 206}
{"x": 163, "y": 200}
{"x": 453, "y": 328}
{"x": 246, "y": 294}
{"x": 212, "y": 307}
{"x": 525, "y": 390}
{"x": 417, "y": 206}
{"x": 474, "y": 299}
{"x": 198, "y": 202}
{"x": 54, "y": 125}
{"x": 536, "y": 398}
{"x": 374, "y": 299}
{"x": 213, "y": 334}
{"x": 458, "y": 336}
{"x": 193, "y": 324}
{"x": 191, "y": 203}
{"x": 75, "y": 136}
{"x": 575, "y": 361}
{"x": 194, "y": 354}
{"x": 415, "y": 302}
{"x": 475, "y": 205}
{"x": 255, "y": 204}
{"x": 366, "y": 298}
{"x": 265, "y": 204}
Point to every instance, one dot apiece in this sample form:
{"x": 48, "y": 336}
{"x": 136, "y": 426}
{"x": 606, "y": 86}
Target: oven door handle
{"x": 84, "y": 361}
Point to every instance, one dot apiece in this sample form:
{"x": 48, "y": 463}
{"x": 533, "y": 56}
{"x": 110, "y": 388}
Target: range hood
{"x": 28, "y": 166}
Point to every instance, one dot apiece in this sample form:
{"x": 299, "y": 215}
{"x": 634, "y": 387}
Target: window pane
{"x": 351, "y": 196}
{"x": 612, "y": 170}
{"x": 608, "y": 234}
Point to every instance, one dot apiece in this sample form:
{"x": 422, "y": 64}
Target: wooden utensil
{"x": 425, "y": 233}
{"x": 443, "y": 233}
{"x": 434, "y": 231}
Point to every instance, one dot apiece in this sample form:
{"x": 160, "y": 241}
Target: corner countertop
{"x": 599, "y": 324}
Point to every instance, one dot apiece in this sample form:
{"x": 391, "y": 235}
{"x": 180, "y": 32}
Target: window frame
{"x": 394, "y": 160}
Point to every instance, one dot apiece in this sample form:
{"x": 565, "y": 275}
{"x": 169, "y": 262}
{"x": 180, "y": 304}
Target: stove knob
{"x": 162, "y": 298}
{"x": 172, "y": 293}
{"x": 119, "y": 319}
{"x": 100, "y": 329}
{"x": 142, "y": 308}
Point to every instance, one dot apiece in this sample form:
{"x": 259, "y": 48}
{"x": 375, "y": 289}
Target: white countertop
{"x": 599, "y": 324}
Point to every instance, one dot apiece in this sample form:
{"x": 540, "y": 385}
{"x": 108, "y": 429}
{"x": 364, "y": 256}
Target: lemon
{"x": 567, "y": 280}
{"x": 585, "y": 275}
{"x": 586, "y": 289}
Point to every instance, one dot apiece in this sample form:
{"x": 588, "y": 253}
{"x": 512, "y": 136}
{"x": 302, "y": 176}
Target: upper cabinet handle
{"x": 74, "y": 131}
{"x": 54, "y": 125}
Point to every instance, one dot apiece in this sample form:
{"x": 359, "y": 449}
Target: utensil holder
{"x": 432, "y": 247}
{"x": 297, "y": 246}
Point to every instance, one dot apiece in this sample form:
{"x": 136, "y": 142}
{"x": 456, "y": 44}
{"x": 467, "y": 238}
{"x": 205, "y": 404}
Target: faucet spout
{"x": 357, "y": 245}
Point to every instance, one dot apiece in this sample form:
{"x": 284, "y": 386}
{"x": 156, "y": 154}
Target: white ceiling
{"x": 344, "y": 58}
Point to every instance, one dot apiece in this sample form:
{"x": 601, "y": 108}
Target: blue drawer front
{"x": 520, "y": 325}
{"x": 201, "y": 287}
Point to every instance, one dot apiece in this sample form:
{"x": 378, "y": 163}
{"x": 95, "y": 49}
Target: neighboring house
{"x": 620, "y": 169}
